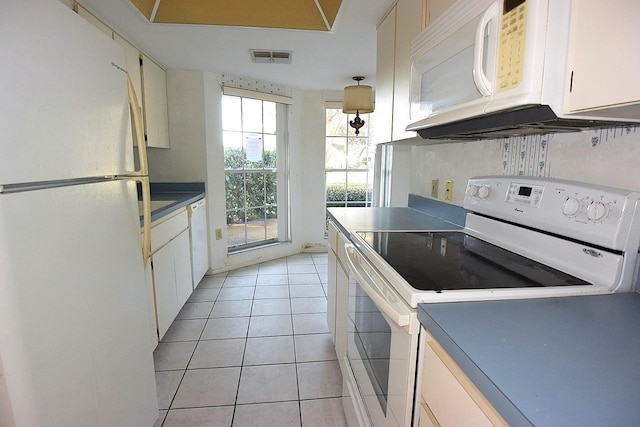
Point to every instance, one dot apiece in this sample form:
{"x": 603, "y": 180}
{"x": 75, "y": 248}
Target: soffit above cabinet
{"x": 316, "y": 15}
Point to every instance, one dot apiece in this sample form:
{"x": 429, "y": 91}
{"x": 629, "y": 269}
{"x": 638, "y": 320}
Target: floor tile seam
{"x": 173, "y": 398}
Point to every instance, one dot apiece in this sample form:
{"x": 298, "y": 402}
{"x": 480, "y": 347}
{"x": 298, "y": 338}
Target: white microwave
{"x": 493, "y": 68}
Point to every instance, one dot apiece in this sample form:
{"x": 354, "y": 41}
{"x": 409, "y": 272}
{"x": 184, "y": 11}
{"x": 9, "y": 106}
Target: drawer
{"x": 166, "y": 228}
{"x": 450, "y": 395}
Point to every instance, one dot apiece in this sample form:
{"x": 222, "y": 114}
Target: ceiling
{"x": 324, "y": 57}
{"x": 290, "y": 14}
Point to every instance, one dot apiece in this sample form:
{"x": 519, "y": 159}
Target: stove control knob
{"x": 597, "y": 211}
{"x": 484, "y": 192}
{"x": 571, "y": 206}
{"x": 472, "y": 190}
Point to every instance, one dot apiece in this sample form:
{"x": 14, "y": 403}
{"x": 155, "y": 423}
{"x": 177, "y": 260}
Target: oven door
{"x": 382, "y": 333}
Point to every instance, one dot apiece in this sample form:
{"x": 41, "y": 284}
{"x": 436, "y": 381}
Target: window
{"x": 255, "y": 185}
{"x": 348, "y": 161}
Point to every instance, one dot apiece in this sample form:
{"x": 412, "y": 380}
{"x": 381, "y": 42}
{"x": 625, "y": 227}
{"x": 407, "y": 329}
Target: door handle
{"x": 480, "y": 79}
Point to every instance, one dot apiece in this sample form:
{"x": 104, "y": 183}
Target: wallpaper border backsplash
{"x": 529, "y": 155}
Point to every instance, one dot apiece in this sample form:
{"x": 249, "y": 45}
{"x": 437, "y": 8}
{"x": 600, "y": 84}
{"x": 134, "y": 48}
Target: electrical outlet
{"x": 434, "y": 188}
{"x": 218, "y": 233}
{"x": 448, "y": 190}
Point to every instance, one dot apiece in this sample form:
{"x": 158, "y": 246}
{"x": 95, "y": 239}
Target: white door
{"x": 64, "y": 103}
{"x": 73, "y": 320}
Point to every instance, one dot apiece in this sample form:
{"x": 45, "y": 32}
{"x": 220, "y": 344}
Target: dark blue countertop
{"x": 180, "y": 194}
{"x": 570, "y": 361}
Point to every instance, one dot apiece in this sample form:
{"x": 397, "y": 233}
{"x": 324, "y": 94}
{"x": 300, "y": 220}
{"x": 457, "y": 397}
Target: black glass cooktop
{"x": 455, "y": 260}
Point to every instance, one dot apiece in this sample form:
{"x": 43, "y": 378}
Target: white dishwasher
{"x": 199, "y": 242}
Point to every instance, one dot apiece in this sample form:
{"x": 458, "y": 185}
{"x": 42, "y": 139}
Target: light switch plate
{"x": 434, "y": 188}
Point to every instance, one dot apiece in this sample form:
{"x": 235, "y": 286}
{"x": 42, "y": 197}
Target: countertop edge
{"x": 498, "y": 400}
{"x": 166, "y": 210}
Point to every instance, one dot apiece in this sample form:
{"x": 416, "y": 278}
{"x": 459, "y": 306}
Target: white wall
{"x": 186, "y": 158}
{"x": 605, "y": 156}
{"x": 196, "y": 154}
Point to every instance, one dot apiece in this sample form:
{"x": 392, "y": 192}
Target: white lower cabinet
{"x": 337, "y": 291}
{"x": 171, "y": 268}
{"x": 164, "y": 281}
{"x": 447, "y": 396}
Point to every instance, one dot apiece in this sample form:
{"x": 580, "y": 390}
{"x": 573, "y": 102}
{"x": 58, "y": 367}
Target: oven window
{"x": 372, "y": 336}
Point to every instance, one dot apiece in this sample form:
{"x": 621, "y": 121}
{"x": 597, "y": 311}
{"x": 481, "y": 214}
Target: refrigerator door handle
{"x": 141, "y": 175}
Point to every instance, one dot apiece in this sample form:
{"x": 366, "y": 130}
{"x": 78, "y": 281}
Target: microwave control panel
{"x": 512, "y": 44}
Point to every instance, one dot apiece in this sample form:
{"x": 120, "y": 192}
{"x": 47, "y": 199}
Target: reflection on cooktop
{"x": 455, "y": 260}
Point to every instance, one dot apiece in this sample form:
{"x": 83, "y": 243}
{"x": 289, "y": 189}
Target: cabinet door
{"x": 154, "y": 101}
{"x": 435, "y": 8}
{"x": 603, "y": 64}
{"x": 408, "y": 27}
{"x": 331, "y": 293}
{"x": 93, "y": 20}
{"x": 342, "y": 309}
{"x": 151, "y": 308}
{"x": 182, "y": 264}
{"x": 449, "y": 395}
{"x": 386, "y": 34}
{"x": 164, "y": 282}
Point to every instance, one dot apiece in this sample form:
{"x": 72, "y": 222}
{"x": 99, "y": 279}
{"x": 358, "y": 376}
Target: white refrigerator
{"x": 74, "y": 323}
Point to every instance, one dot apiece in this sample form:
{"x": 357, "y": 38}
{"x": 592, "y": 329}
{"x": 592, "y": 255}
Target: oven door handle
{"x": 396, "y": 311}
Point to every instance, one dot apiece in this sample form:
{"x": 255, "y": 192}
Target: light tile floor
{"x": 252, "y": 348}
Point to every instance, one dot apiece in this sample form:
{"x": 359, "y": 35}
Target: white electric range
{"x": 523, "y": 238}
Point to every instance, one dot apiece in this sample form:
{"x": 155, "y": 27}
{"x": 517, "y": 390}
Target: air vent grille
{"x": 271, "y": 56}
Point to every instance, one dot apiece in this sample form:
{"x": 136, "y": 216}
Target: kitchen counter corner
{"x": 175, "y": 195}
{"x": 552, "y": 361}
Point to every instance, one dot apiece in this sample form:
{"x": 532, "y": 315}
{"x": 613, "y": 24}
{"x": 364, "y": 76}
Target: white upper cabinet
{"x": 92, "y": 19}
{"x": 393, "y": 69}
{"x": 149, "y": 81}
{"x": 597, "y": 30}
{"x": 436, "y": 8}
{"x": 154, "y": 102}
{"x": 386, "y": 33}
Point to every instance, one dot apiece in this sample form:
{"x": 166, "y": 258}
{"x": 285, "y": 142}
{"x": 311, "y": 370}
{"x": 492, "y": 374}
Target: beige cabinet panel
{"x": 154, "y": 103}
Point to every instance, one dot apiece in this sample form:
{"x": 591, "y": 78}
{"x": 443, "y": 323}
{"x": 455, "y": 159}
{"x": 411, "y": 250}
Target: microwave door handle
{"x": 479, "y": 77}
{"x": 368, "y": 285}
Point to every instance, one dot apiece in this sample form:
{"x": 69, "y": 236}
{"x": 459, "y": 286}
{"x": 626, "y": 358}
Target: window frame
{"x": 281, "y": 170}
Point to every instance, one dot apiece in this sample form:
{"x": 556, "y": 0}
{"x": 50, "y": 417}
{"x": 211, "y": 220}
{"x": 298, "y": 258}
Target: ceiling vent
{"x": 271, "y": 56}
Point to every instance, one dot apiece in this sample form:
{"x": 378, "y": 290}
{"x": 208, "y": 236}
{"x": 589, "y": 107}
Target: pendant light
{"x": 357, "y": 99}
